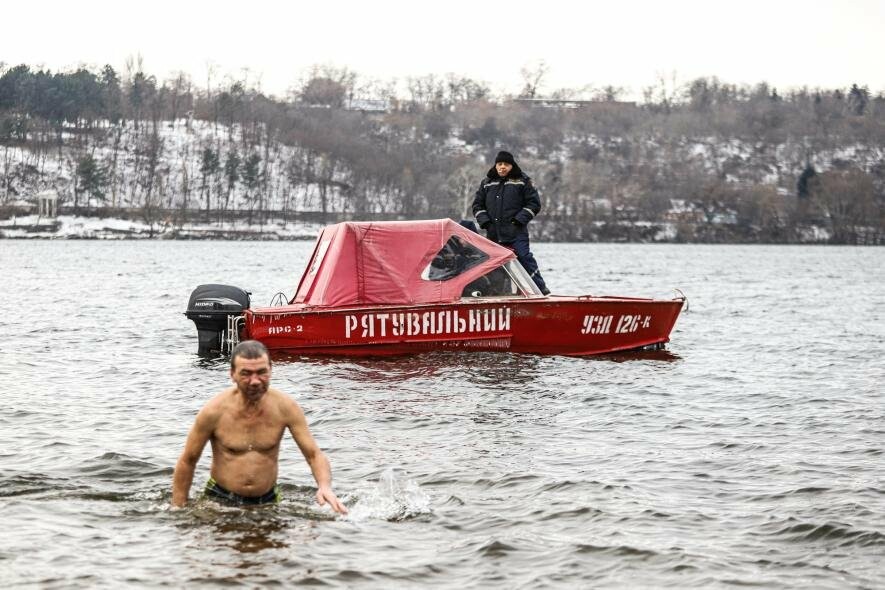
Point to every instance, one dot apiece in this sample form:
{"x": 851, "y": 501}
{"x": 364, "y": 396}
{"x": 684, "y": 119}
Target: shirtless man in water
{"x": 245, "y": 424}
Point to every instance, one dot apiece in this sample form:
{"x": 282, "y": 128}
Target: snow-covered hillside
{"x": 594, "y": 187}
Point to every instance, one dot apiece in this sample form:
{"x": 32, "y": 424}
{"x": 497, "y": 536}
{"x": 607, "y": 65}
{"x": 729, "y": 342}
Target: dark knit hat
{"x": 505, "y": 157}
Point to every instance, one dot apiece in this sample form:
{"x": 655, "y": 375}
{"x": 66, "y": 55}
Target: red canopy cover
{"x": 382, "y": 262}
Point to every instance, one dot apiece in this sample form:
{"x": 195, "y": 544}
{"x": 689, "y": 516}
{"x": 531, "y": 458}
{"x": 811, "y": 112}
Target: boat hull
{"x": 571, "y": 326}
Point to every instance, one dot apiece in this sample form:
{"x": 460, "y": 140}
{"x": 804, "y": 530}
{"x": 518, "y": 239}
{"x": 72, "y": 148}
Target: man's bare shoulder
{"x": 284, "y": 403}
{"x": 216, "y": 406}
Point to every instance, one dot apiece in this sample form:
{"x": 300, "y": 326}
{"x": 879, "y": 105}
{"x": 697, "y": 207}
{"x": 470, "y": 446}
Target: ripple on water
{"x": 748, "y": 453}
{"x": 837, "y": 534}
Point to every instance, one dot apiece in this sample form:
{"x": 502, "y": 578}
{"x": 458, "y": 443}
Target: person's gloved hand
{"x": 485, "y": 225}
{"x": 516, "y": 222}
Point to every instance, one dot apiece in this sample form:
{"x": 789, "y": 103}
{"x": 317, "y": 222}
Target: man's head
{"x": 504, "y": 163}
{"x": 250, "y": 369}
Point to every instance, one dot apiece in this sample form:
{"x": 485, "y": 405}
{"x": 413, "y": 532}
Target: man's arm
{"x": 316, "y": 459}
{"x": 197, "y": 438}
{"x": 531, "y": 203}
{"x": 479, "y": 206}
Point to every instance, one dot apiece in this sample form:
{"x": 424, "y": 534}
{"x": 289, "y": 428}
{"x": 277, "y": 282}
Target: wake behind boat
{"x": 395, "y": 287}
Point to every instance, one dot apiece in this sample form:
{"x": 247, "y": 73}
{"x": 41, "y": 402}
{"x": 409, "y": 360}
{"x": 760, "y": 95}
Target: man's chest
{"x": 503, "y": 193}
{"x": 249, "y": 433}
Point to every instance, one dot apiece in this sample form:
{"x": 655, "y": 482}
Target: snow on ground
{"x": 72, "y": 226}
{"x": 178, "y": 164}
{"x": 667, "y": 233}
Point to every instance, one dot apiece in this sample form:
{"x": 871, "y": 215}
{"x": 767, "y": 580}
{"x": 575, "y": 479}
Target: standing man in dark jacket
{"x": 504, "y": 204}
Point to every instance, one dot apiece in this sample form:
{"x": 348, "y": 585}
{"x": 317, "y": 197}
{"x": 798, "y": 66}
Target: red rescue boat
{"x": 377, "y": 288}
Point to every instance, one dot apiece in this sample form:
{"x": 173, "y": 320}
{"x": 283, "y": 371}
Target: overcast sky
{"x": 630, "y": 43}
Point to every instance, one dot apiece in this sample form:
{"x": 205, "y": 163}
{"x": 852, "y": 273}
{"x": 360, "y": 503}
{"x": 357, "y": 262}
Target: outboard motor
{"x": 211, "y": 307}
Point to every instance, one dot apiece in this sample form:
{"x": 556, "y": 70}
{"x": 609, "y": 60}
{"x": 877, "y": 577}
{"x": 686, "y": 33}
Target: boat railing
{"x": 231, "y": 335}
{"x": 683, "y": 298}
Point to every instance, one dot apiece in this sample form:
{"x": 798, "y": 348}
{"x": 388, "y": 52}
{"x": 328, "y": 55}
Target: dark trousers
{"x": 216, "y": 492}
{"x": 521, "y": 247}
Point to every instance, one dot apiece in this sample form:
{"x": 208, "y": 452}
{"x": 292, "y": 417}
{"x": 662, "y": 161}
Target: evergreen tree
{"x": 231, "y": 174}
{"x": 141, "y": 92}
{"x": 91, "y": 179}
{"x": 13, "y": 84}
{"x": 111, "y": 95}
{"x": 806, "y": 182}
{"x": 251, "y": 178}
{"x": 858, "y": 98}
{"x": 209, "y": 166}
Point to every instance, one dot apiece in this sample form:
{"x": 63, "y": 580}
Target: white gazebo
{"x": 47, "y": 204}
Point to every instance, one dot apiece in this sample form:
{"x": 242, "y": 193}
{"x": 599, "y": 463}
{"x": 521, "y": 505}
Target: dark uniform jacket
{"x": 507, "y": 205}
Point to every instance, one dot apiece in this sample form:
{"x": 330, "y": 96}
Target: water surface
{"x": 749, "y": 453}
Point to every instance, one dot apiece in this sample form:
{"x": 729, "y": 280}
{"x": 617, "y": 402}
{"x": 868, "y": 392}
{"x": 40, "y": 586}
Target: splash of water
{"x": 394, "y": 498}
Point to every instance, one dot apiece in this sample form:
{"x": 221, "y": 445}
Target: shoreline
{"x": 79, "y": 227}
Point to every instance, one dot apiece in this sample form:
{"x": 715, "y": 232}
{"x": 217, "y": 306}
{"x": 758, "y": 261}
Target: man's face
{"x": 503, "y": 168}
{"x": 252, "y": 376}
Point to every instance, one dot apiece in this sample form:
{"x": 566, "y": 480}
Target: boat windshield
{"x": 455, "y": 257}
{"x": 508, "y": 280}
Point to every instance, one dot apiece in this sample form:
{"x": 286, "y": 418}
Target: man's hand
{"x": 516, "y": 222}
{"x": 485, "y": 225}
{"x": 325, "y": 494}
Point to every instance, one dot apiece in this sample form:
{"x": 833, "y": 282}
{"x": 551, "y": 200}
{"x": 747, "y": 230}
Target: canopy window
{"x": 455, "y": 257}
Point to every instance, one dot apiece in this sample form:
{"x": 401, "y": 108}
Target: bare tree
{"x": 847, "y": 199}
{"x": 327, "y": 85}
{"x": 180, "y": 98}
{"x": 533, "y": 75}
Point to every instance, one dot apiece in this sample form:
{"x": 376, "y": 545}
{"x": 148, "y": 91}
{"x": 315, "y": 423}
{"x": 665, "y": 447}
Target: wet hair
{"x": 248, "y": 349}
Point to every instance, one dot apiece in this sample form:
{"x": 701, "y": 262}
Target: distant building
{"x": 682, "y": 211}
{"x": 47, "y": 204}
{"x": 367, "y": 105}
{"x": 562, "y": 103}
